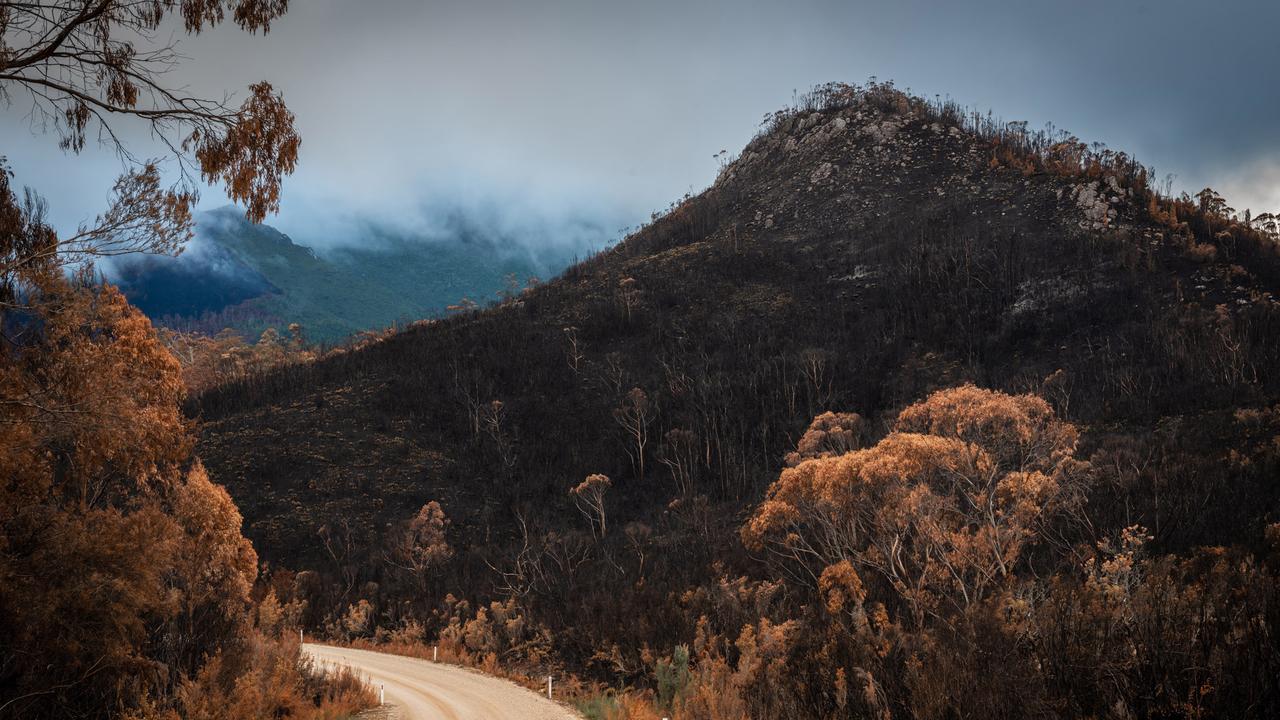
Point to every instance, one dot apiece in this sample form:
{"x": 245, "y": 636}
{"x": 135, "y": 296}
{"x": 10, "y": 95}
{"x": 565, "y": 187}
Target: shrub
{"x": 673, "y": 677}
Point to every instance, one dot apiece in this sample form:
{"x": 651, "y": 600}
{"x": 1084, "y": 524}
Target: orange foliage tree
{"x": 121, "y": 565}
{"x": 919, "y": 550}
{"x": 421, "y": 546}
{"x": 829, "y": 434}
{"x": 124, "y": 578}
{"x": 208, "y": 361}
{"x": 942, "y": 509}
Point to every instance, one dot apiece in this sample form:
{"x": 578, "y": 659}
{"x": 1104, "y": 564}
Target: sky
{"x": 549, "y": 117}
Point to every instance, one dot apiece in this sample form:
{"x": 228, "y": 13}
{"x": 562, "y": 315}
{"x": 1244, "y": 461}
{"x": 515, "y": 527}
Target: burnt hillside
{"x": 866, "y": 249}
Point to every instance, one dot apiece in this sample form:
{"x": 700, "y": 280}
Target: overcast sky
{"x": 541, "y": 112}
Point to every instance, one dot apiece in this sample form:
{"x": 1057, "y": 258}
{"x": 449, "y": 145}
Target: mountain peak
{"x": 864, "y": 251}
{"x": 848, "y": 160}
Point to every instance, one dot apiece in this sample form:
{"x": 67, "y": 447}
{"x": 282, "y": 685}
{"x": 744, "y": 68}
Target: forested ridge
{"x": 913, "y": 413}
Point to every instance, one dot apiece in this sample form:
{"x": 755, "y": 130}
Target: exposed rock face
{"x": 827, "y": 132}
{"x": 1100, "y": 203}
{"x": 822, "y": 173}
{"x": 1093, "y": 203}
{"x": 826, "y": 171}
{"x": 881, "y": 133}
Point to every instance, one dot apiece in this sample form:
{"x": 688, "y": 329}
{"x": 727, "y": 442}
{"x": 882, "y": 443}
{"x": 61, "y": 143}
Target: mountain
{"x": 248, "y": 277}
{"x": 866, "y": 249}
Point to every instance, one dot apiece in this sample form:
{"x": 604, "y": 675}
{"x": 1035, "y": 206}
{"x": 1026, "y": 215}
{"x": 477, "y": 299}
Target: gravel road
{"x": 422, "y": 690}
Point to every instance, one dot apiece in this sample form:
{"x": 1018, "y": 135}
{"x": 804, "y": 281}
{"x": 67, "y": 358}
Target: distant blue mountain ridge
{"x": 235, "y": 274}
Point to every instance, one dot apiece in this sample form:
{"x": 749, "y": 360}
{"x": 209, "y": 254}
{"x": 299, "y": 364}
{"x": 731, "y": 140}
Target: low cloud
{"x": 542, "y": 224}
{"x": 1255, "y": 186}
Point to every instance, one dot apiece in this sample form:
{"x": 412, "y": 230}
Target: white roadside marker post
{"x": 382, "y": 694}
{"x": 549, "y": 687}
{"x": 435, "y": 653}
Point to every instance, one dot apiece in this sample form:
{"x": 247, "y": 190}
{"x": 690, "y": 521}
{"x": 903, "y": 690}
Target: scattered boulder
{"x": 881, "y": 132}
{"x": 1094, "y": 205}
{"x": 823, "y": 172}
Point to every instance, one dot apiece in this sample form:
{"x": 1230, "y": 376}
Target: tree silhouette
{"x": 679, "y": 452}
{"x": 87, "y": 62}
{"x": 589, "y": 497}
{"x": 634, "y": 415}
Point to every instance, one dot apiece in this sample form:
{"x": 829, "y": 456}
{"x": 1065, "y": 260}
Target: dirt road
{"x": 423, "y": 690}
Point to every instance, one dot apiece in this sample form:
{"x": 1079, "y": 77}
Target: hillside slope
{"x": 863, "y": 251}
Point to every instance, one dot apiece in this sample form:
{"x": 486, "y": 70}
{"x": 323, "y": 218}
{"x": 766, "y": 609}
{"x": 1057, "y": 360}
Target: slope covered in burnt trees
{"x": 865, "y": 249}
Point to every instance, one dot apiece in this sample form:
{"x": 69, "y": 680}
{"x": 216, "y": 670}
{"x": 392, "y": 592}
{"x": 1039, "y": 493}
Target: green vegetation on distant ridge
{"x": 382, "y": 280}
